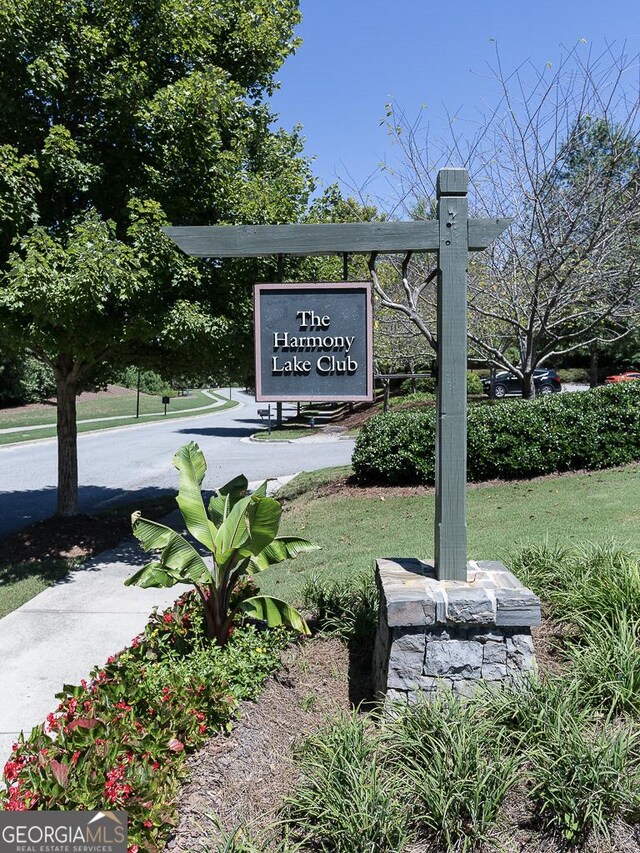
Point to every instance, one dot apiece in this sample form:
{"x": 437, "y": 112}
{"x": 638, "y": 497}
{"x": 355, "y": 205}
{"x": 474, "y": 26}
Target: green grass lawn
{"x": 352, "y": 531}
{"x": 103, "y": 406}
{"x": 20, "y": 582}
{"x": 111, "y": 405}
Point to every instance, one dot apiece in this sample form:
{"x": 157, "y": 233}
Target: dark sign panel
{"x": 313, "y": 342}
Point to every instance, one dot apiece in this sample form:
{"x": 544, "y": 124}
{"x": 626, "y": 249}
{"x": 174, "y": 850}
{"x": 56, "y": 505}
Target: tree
{"x": 560, "y": 154}
{"x": 117, "y": 118}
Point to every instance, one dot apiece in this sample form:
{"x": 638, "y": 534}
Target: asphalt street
{"x": 131, "y": 463}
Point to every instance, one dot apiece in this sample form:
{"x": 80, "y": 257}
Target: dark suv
{"x": 546, "y": 381}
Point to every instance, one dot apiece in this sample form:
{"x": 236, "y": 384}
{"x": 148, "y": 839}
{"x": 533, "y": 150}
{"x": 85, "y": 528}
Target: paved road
{"x": 129, "y": 463}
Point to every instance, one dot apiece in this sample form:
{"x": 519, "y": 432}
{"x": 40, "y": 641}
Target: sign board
{"x": 313, "y": 342}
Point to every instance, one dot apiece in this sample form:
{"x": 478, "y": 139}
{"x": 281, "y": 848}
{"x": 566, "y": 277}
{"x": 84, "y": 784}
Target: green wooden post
{"x": 451, "y": 427}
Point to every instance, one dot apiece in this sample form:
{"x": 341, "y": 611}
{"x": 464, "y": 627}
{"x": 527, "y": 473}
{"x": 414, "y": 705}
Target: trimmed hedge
{"x": 512, "y": 439}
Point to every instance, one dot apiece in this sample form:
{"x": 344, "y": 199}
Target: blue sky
{"x": 357, "y": 55}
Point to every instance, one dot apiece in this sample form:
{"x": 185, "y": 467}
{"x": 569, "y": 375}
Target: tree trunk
{"x": 492, "y": 381}
{"x": 67, "y": 444}
{"x": 528, "y": 386}
{"x": 593, "y": 372}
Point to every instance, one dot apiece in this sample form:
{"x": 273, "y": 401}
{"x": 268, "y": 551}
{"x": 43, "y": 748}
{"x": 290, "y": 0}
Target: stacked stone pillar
{"x": 450, "y": 635}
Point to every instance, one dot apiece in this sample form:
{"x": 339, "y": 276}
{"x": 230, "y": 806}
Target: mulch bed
{"x": 239, "y": 780}
{"x": 79, "y": 537}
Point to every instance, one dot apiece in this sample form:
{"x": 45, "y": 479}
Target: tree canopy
{"x": 560, "y": 154}
{"x": 118, "y": 117}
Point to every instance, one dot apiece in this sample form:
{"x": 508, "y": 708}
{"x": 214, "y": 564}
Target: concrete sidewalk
{"x": 66, "y": 630}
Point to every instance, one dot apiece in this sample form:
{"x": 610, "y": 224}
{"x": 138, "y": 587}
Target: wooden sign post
{"x": 452, "y": 236}
{"x": 450, "y": 535}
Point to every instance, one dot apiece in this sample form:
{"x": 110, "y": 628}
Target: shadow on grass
{"x": 20, "y": 509}
{"x": 49, "y": 573}
{"x": 361, "y": 693}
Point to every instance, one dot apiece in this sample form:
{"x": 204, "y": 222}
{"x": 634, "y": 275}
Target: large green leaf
{"x": 263, "y": 517}
{"x": 282, "y": 548}
{"x": 274, "y": 612}
{"x": 153, "y": 575}
{"x": 178, "y": 556}
{"x": 226, "y": 497}
{"x": 233, "y": 532}
{"x": 191, "y": 464}
{"x": 261, "y": 490}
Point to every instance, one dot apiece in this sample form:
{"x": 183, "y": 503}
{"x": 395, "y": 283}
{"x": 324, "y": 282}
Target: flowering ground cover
{"x": 120, "y": 738}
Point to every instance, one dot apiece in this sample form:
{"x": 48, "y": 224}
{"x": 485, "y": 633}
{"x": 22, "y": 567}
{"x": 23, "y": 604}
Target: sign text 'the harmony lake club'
{"x": 313, "y": 342}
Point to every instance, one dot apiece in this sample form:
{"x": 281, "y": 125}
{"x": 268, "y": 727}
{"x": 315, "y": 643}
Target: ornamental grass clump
{"x": 347, "y": 801}
{"x": 345, "y": 608}
{"x": 239, "y": 532}
{"x": 583, "y": 779}
{"x": 594, "y": 593}
{"x": 455, "y": 771}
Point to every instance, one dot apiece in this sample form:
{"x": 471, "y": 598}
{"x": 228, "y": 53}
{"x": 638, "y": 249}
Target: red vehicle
{"x": 627, "y": 376}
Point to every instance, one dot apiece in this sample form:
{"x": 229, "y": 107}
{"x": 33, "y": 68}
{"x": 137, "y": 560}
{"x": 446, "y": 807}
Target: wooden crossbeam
{"x": 252, "y": 241}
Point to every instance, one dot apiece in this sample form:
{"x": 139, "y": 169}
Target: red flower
{"x": 203, "y": 729}
{"x": 75, "y": 757}
{"x": 52, "y": 724}
{"x": 148, "y": 824}
{"x": 114, "y": 788}
{"x": 167, "y": 619}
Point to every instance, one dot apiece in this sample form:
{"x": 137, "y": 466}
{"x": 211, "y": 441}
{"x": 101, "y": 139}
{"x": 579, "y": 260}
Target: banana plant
{"x": 239, "y": 533}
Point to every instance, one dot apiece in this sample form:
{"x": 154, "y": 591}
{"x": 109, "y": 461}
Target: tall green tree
{"x": 116, "y": 118}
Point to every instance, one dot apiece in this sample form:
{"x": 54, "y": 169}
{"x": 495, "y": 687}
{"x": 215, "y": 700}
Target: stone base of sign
{"x": 450, "y": 635}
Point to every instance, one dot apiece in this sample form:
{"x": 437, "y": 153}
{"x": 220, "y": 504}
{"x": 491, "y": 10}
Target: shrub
{"x": 426, "y": 385}
{"x": 517, "y": 438}
{"x": 24, "y": 379}
{"x": 474, "y": 383}
{"x": 150, "y": 382}
{"x": 398, "y": 447}
{"x": 574, "y": 374}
